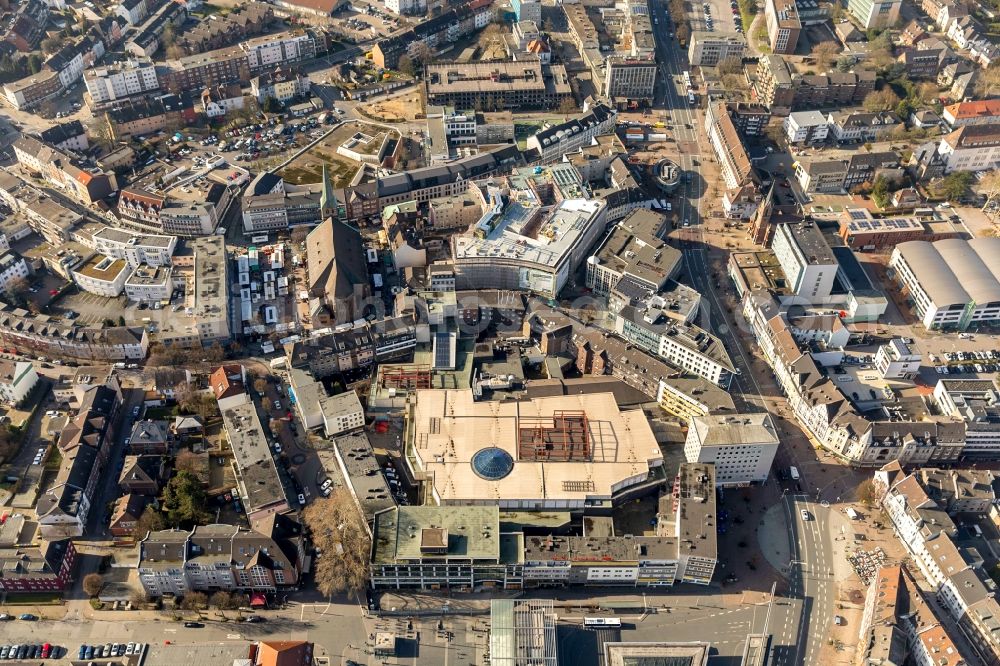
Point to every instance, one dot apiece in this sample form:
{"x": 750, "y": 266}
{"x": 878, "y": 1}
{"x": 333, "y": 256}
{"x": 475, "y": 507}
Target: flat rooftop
{"x": 634, "y": 247}
{"x": 603, "y": 451}
{"x": 414, "y": 532}
{"x": 556, "y": 235}
{"x": 99, "y": 267}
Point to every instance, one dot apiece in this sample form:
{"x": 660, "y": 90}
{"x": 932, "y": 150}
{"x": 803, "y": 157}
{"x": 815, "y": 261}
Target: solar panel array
{"x": 442, "y": 350}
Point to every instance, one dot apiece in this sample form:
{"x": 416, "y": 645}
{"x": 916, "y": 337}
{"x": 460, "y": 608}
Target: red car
{"x": 46, "y": 650}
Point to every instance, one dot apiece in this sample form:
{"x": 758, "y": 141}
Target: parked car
{"x": 193, "y": 625}
{"x": 27, "y": 617}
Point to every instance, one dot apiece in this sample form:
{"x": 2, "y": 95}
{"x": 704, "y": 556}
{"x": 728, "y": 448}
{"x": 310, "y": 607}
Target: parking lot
{"x": 715, "y": 16}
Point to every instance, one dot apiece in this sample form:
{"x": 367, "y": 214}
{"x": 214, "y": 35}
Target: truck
{"x": 852, "y": 514}
{"x": 794, "y": 473}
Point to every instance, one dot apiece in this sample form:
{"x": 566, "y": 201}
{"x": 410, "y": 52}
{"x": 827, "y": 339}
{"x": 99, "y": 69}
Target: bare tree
{"x": 989, "y": 186}
{"x": 825, "y": 54}
{"x": 987, "y": 84}
{"x": 18, "y": 288}
{"x": 92, "y": 584}
{"x": 188, "y": 461}
{"x": 260, "y": 385}
{"x": 195, "y": 601}
{"x": 866, "y": 492}
{"x": 881, "y": 100}
{"x": 138, "y": 597}
{"x": 338, "y": 532}
{"x": 221, "y": 600}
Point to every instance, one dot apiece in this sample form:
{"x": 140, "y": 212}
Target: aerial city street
{"x": 500, "y": 333}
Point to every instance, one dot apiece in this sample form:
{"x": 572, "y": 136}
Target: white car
{"x": 277, "y": 447}
{"x": 302, "y": 499}
{"x": 805, "y": 514}
{"x": 326, "y": 484}
{"x": 277, "y": 404}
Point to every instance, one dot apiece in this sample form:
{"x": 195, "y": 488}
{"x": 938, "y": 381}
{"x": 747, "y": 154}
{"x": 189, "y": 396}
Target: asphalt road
{"x": 811, "y": 574}
{"x": 797, "y": 622}
{"x": 686, "y": 125}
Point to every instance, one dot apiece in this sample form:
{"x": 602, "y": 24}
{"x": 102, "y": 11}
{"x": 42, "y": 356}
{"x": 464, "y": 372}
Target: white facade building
{"x": 951, "y": 283}
{"x": 806, "y": 259}
{"x": 17, "y": 378}
{"x": 12, "y": 267}
{"x": 741, "y": 446}
{"x": 136, "y": 249}
{"x": 806, "y": 127}
{"x": 896, "y": 360}
{"x": 106, "y": 85}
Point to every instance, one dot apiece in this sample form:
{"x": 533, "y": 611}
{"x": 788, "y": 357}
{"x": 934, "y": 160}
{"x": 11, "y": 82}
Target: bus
{"x": 599, "y": 622}
{"x": 687, "y": 78}
{"x": 259, "y": 238}
{"x": 794, "y": 473}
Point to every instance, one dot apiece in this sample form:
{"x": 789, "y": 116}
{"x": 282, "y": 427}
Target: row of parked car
{"x": 37, "y": 651}
{"x": 109, "y": 650}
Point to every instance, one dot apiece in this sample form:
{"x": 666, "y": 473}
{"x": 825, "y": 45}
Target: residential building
{"x": 128, "y": 509}
{"x": 897, "y": 360}
{"x": 17, "y": 379}
{"x": 282, "y": 84}
{"x": 142, "y": 475}
{"x": 772, "y": 85}
{"x": 149, "y": 439}
{"x": 141, "y": 115}
{"x": 66, "y": 136}
{"x": 806, "y": 127}
{"x": 135, "y": 249}
{"x": 22, "y": 330}
{"x": 342, "y": 413}
{"x": 740, "y": 446}
{"x": 728, "y": 145}
{"x": 978, "y": 112}
{"x": 527, "y": 10}
{"x": 783, "y": 25}
{"x": 217, "y": 101}
{"x": 32, "y": 90}
{"x": 322, "y": 8}
{"x": 971, "y": 148}
{"x": 86, "y": 184}
{"x": 13, "y": 270}
{"x": 45, "y": 567}
{"x": 952, "y": 283}
{"x": 102, "y": 275}
{"x": 860, "y": 127}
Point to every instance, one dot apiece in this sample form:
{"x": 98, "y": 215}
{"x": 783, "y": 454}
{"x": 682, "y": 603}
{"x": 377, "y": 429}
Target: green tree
{"x": 905, "y": 108}
{"x": 34, "y": 63}
{"x": 184, "y": 501}
{"x": 955, "y": 185}
{"x": 845, "y": 63}
{"x": 880, "y": 191}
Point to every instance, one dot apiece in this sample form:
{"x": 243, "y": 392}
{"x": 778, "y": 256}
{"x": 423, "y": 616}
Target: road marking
{"x": 234, "y": 637}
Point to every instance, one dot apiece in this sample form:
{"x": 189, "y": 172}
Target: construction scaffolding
{"x": 523, "y": 633}
{"x": 563, "y": 437}
{"x": 409, "y": 377}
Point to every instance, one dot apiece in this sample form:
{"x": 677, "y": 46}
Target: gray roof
{"x": 956, "y": 271}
